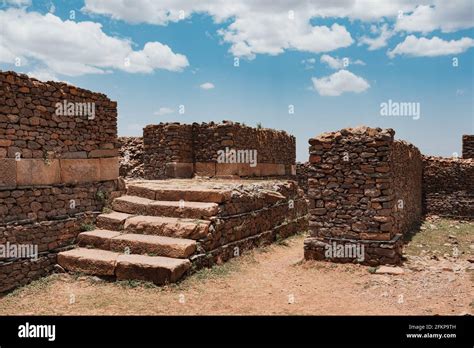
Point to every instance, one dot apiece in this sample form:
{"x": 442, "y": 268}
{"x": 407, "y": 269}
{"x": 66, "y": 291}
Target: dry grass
{"x": 441, "y": 237}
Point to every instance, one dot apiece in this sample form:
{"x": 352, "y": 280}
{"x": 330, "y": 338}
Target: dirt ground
{"x": 276, "y": 280}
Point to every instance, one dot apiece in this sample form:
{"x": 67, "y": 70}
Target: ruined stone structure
{"x": 173, "y": 150}
{"x": 448, "y": 187}
{"x": 58, "y": 166}
{"x": 302, "y": 170}
{"x": 168, "y": 151}
{"x": 131, "y": 157}
{"x": 468, "y": 146}
{"x": 162, "y": 230}
{"x": 364, "y": 190}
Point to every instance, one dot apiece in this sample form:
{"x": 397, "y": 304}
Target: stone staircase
{"x": 149, "y": 235}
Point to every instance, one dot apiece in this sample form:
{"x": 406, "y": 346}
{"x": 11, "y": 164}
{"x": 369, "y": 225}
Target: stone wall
{"x": 21, "y": 272}
{"x": 358, "y": 195}
{"x": 37, "y": 203}
{"x": 272, "y": 146}
{"x": 254, "y": 215}
{"x": 256, "y": 208}
{"x": 468, "y": 146}
{"x": 131, "y": 157}
{"x": 175, "y": 150}
{"x": 58, "y": 165}
{"x": 407, "y": 168}
{"x": 52, "y": 133}
{"x": 168, "y": 151}
{"x": 448, "y": 187}
{"x": 31, "y": 126}
{"x": 302, "y": 170}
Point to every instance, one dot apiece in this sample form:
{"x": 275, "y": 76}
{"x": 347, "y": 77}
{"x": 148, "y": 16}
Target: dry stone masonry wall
{"x": 448, "y": 187}
{"x": 302, "y": 170}
{"x": 407, "y": 168}
{"x": 468, "y": 146}
{"x": 33, "y": 125}
{"x": 131, "y": 157}
{"x": 58, "y": 168}
{"x": 59, "y": 133}
{"x": 206, "y": 149}
{"x": 365, "y": 191}
{"x": 168, "y": 151}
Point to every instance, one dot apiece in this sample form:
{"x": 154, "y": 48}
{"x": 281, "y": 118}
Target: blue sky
{"x": 278, "y": 60}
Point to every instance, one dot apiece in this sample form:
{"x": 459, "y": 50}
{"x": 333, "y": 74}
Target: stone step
{"x": 167, "y": 226}
{"x": 190, "y": 194}
{"x": 157, "y": 269}
{"x": 89, "y": 261}
{"x": 112, "y": 221}
{"x": 144, "y": 206}
{"x": 138, "y": 243}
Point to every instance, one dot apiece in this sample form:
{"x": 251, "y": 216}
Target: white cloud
{"x": 423, "y": 47}
{"x": 163, "y": 111}
{"x": 18, "y": 2}
{"x": 337, "y": 63}
{"x": 43, "y": 75}
{"x": 207, "y": 85}
{"x": 139, "y": 11}
{"x": 156, "y": 55}
{"x": 266, "y": 27}
{"x": 251, "y": 27}
{"x": 333, "y": 63}
{"x": 77, "y": 48}
{"x": 273, "y": 34}
{"x": 340, "y": 82}
{"x": 448, "y": 16}
{"x": 164, "y": 11}
{"x": 357, "y": 62}
{"x": 377, "y": 42}
{"x": 308, "y": 63}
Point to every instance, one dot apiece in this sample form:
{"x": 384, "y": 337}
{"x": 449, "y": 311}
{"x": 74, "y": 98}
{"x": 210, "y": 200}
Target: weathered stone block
{"x": 38, "y": 172}
{"x": 179, "y": 170}
{"x": 159, "y": 270}
{"x": 7, "y": 172}
{"x": 205, "y": 169}
{"x": 103, "y": 153}
{"x": 5, "y": 142}
{"x": 80, "y": 170}
{"x": 74, "y": 154}
{"x": 109, "y": 168}
{"x": 227, "y": 169}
